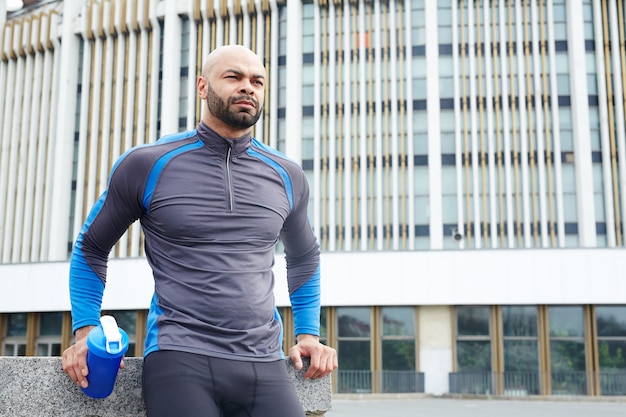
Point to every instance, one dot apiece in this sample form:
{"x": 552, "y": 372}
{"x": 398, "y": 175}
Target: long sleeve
{"x": 116, "y": 209}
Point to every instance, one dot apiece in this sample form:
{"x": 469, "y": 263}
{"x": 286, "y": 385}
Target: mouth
{"x": 246, "y": 103}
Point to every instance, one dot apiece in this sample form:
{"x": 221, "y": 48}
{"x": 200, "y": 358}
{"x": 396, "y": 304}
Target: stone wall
{"x": 37, "y": 387}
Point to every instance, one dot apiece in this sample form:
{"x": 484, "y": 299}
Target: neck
{"x": 223, "y": 129}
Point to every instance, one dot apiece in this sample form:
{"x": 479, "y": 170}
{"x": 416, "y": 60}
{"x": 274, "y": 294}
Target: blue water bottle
{"x": 107, "y": 344}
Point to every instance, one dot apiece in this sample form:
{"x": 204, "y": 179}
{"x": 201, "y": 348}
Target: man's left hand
{"x": 323, "y": 358}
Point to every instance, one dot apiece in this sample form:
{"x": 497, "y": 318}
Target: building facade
{"x": 467, "y": 165}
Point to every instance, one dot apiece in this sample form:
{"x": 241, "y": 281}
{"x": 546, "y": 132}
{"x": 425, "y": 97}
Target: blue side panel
{"x": 305, "y": 304}
{"x": 152, "y": 337}
{"x": 281, "y": 335}
{"x": 278, "y": 168}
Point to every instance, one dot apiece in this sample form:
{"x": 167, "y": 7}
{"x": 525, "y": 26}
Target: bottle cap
{"x": 112, "y": 335}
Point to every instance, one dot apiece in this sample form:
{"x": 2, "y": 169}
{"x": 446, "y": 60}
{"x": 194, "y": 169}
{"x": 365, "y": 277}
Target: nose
{"x": 247, "y": 87}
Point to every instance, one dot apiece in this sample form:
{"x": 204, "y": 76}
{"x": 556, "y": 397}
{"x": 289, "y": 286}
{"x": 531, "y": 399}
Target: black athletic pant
{"x": 179, "y": 384}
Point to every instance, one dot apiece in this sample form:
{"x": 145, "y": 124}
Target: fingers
{"x": 296, "y": 358}
{"x": 74, "y": 363}
{"x": 323, "y": 362}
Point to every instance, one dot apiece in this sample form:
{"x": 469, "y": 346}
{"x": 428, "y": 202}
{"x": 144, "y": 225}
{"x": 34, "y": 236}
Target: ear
{"x": 202, "y": 85}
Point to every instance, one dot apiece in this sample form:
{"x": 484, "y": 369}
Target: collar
{"x": 220, "y": 144}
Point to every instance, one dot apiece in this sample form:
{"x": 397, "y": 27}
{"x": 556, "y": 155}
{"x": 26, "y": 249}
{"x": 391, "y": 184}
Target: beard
{"x": 235, "y": 119}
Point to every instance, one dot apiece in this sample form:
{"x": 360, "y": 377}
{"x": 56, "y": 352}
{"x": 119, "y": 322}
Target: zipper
{"x": 229, "y": 181}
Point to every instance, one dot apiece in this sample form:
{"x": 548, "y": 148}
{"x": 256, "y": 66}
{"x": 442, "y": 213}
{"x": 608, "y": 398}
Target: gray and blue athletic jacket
{"x": 212, "y": 210}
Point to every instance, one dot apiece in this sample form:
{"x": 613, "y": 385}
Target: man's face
{"x": 233, "y": 85}
{"x": 240, "y": 111}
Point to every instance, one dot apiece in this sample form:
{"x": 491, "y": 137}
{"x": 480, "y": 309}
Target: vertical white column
{"x": 273, "y": 73}
{"x": 247, "y": 26}
{"x": 580, "y": 125}
{"x": 332, "y": 131}
{"x": 393, "y": 126}
{"x": 95, "y": 112}
{"x": 293, "y": 82}
{"x": 13, "y": 140}
{"x": 362, "y": 127}
{"x": 476, "y": 188}
{"x": 556, "y": 131}
{"x": 489, "y": 113}
{"x": 154, "y": 65}
{"x": 105, "y": 112}
{"x": 63, "y": 144}
{"x": 317, "y": 122}
{"x": 506, "y": 134}
{"x": 192, "y": 73}
{"x": 22, "y": 138}
{"x": 607, "y": 180}
{"x": 618, "y": 94}
{"x": 539, "y": 127}
{"x": 171, "y": 69}
{"x": 434, "y": 125}
{"x": 118, "y": 106}
{"x": 39, "y": 249}
{"x": 51, "y": 194}
{"x": 34, "y": 114}
{"x": 347, "y": 128}
{"x": 9, "y": 75}
{"x": 523, "y": 121}
{"x": 378, "y": 102}
{"x": 408, "y": 53}
{"x": 83, "y": 128}
{"x": 458, "y": 148}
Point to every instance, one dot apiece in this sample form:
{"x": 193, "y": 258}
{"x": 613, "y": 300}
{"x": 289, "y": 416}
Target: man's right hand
{"x": 75, "y": 358}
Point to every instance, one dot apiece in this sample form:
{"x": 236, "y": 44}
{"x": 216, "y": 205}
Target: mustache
{"x": 244, "y": 97}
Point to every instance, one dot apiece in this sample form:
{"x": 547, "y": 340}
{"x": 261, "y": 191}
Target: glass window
{"x": 567, "y": 350}
{"x": 324, "y": 325}
{"x": 521, "y": 350}
{"x": 473, "y": 339}
{"x": 611, "y": 325}
{"x": 398, "y": 350}
{"x": 49, "y": 334}
{"x": 562, "y": 85}
{"x": 353, "y": 349}
{"x": 473, "y": 321}
{"x": 14, "y": 343}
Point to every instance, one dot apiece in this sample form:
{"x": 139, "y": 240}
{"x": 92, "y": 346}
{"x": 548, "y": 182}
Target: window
{"x": 398, "y": 350}
{"x": 15, "y": 336}
{"x": 353, "y": 349}
{"x": 473, "y": 351}
{"x": 49, "y": 334}
{"x": 473, "y": 339}
{"x": 611, "y": 325}
{"x": 324, "y": 325}
{"x": 567, "y": 350}
{"x": 521, "y": 350}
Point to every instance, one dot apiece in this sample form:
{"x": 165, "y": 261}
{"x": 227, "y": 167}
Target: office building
{"x": 467, "y": 165}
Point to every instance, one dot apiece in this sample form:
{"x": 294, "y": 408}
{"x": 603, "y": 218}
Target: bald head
{"x": 233, "y": 86}
{"x": 230, "y": 53}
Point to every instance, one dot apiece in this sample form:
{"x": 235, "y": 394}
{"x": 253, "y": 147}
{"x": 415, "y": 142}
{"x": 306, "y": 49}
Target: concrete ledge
{"x": 37, "y": 387}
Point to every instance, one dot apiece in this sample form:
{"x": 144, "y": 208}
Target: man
{"x": 212, "y": 202}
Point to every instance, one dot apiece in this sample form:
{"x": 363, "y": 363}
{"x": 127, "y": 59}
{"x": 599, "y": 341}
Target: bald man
{"x": 212, "y": 202}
